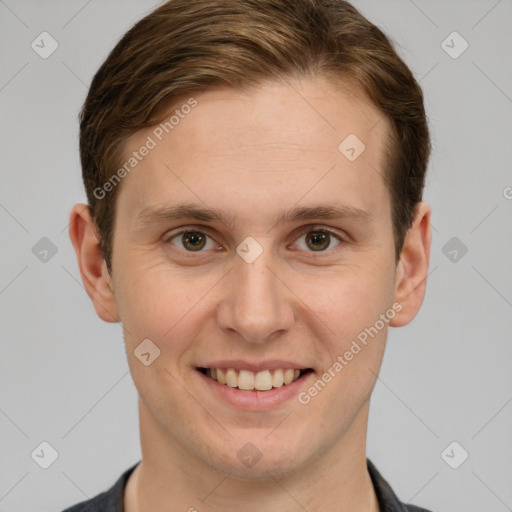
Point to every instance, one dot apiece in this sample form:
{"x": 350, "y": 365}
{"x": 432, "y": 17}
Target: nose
{"x": 257, "y": 306}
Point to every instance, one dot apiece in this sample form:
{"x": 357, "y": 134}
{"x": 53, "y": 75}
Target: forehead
{"x": 270, "y": 146}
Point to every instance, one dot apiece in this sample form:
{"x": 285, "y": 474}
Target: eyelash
{"x": 320, "y": 229}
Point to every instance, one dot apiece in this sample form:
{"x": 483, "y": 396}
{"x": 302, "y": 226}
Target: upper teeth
{"x": 245, "y": 379}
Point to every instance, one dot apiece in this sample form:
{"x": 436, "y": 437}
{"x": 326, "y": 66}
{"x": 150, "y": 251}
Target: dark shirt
{"x": 112, "y": 500}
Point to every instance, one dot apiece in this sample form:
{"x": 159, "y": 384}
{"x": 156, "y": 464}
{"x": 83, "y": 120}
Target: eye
{"x": 192, "y": 240}
{"x": 318, "y": 240}
{"x": 315, "y": 240}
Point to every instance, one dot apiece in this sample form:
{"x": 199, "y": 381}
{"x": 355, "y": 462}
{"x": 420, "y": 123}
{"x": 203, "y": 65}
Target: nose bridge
{"x": 257, "y": 305}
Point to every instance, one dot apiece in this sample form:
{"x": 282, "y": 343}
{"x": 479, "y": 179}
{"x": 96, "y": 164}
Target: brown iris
{"x": 319, "y": 239}
{"x": 193, "y": 240}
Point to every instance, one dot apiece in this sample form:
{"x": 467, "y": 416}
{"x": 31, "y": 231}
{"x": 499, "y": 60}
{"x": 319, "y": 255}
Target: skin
{"x": 255, "y": 154}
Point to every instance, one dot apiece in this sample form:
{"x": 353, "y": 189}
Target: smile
{"x": 259, "y": 381}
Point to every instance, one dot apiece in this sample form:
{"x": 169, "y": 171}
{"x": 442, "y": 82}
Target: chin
{"x": 260, "y": 459}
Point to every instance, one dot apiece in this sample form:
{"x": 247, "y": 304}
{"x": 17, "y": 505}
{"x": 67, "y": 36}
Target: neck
{"x": 167, "y": 476}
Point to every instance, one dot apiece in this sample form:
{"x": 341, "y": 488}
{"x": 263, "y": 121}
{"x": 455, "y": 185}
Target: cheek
{"x": 162, "y": 305}
{"x": 350, "y": 305}
{"x": 349, "y": 300}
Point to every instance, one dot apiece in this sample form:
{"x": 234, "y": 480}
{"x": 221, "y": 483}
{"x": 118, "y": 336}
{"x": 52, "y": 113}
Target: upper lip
{"x": 269, "y": 364}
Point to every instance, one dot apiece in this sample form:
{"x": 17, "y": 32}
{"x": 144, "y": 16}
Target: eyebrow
{"x": 156, "y": 215}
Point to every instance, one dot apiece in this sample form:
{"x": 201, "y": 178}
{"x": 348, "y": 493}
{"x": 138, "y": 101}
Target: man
{"x": 254, "y": 173}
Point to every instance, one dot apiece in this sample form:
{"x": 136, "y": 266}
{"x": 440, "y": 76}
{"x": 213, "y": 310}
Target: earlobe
{"x": 93, "y": 270}
{"x": 412, "y": 269}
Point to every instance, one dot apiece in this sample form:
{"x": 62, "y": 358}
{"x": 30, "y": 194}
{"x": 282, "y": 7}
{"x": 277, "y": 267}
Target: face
{"x": 269, "y": 286}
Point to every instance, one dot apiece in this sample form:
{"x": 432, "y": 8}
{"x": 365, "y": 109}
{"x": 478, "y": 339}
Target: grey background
{"x": 446, "y": 376}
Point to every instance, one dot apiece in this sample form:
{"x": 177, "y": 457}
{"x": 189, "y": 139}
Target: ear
{"x": 93, "y": 269}
{"x": 412, "y": 269}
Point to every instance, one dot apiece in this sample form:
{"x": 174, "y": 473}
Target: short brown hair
{"x": 187, "y": 46}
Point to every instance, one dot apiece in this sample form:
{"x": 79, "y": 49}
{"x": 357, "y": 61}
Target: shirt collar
{"x": 387, "y": 499}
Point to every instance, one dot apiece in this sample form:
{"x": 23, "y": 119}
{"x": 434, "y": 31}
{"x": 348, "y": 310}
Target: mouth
{"x": 247, "y": 380}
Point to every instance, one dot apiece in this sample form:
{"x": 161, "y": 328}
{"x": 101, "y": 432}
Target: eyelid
{"x": 184, "y": 229}
{"x": 320, "y": 227}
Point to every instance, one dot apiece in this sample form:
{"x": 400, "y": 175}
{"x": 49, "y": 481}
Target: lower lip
{"x": 256, "y": 400}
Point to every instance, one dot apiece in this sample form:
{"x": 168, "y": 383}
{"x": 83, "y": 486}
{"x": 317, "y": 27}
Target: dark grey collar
{"x": 112, "y": 500}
